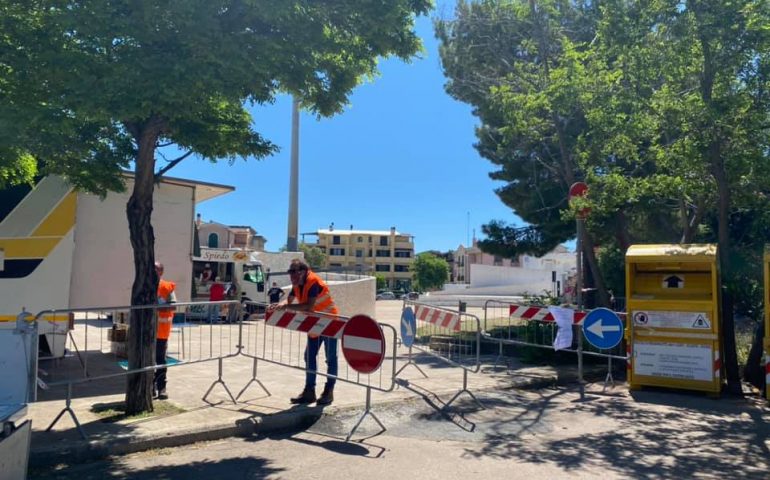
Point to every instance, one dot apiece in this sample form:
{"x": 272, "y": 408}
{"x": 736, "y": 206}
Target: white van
{"x": 238, "y": 270}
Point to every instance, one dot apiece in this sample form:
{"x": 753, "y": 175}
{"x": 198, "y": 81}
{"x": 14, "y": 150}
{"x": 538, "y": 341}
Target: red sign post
{"x": 363, "y": 344}
{"x": 579, "y": 189}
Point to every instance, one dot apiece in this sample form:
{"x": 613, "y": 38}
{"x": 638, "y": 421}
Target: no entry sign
{"x": 363, "y": 344}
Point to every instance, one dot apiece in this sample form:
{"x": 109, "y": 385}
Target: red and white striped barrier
{"x": 539, "y": 313}
{"x": 717, "y": 365}
{"x": 440, "y": 318}
{"x": 312, "y": 323}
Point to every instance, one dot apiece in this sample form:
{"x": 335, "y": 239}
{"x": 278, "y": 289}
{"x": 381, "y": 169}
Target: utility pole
{"x": 293, "y": 229}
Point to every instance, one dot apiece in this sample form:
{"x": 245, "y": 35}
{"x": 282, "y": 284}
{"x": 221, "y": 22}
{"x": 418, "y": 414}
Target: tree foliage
{"x": 430, "y": 271}
{"x": 88, "y": 87}
{"x": 314, "y": 256}
{"x": 661, "y": 107}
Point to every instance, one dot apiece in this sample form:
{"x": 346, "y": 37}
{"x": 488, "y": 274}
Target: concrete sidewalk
{"x": 186, "y": 418}
{"x": 192, "y": 420}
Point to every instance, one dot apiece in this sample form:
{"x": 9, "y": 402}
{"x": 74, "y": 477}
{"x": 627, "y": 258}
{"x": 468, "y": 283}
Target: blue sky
{"x": 400, "y": 155}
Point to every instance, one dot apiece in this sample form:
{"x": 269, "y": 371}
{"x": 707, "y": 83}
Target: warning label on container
{"x": 673, "y": 360}
{"x": 647, "y": 318}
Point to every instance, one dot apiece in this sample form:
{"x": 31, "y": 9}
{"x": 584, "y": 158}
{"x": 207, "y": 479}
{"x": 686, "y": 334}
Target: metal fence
{"x": 507, "y": 323}
{"x": 203, "y": 332}
{"x": 452, "y": 336}
{"x": 98, "y": 331}
{"x": 281, "y": 338}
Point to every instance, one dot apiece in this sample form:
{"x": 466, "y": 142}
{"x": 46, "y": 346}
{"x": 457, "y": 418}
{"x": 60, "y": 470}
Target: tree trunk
{"x": 754, "y": 373}
{"x": 728, "y": 321}
{"x": 602, "y": 297}
{"x": 142, "y": 329}
{"x": 622, "y": 236}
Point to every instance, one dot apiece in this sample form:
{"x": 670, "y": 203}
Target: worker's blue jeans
{"x": 311, "y": 360}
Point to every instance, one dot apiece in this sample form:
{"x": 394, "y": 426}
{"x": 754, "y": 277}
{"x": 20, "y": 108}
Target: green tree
{"x": 692, "y": 78}
{"x": 430, "y": 271}
{"x": 92, "y": 86}
{"x": 661, "y": 107}
{"x": 382, "y": 282}
{"x": 314, "y": 256}
{"x": 518, "y": 64}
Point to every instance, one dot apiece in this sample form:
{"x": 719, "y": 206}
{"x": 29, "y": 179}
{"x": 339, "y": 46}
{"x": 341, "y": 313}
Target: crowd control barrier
{"x": 507, "y": 323}
{"x": 452, "y": 336}
{"x": 100, "y": 331}
{"x": 280, "y": 338}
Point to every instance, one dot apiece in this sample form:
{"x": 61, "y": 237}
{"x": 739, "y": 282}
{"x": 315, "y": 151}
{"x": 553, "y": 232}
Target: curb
{"x": 83, "y": 451}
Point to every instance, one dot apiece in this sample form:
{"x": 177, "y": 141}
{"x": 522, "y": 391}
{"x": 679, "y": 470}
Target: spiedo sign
{"x": 217, "y": 255}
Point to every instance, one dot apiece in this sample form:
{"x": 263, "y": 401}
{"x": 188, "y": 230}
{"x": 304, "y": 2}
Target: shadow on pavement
{"x": 692, "y": 436}
{"x": 246, "y": 468}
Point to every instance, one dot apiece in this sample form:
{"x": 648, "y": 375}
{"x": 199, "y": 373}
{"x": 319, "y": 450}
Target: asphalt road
{"x": 546, "y": 434}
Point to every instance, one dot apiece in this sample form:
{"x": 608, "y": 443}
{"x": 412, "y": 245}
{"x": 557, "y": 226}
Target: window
{"x": 360, "y": 239}
{"x": 213, "y": 240}
{"x": 336, "y": 240}
{"x": 382, "y": 268}
{"x": 339, "y": 252}
{"x": 240, "y": 239}
{"x": 401, "y": 268}
{"x": 383, "y": 253}
{"x": 359, "y": 253}
{"x": 403, "y": 254}
{"x": 383, "y": 241}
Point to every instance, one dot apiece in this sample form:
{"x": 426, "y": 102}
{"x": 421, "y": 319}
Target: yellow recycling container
{"x": 767, "y": 321}
{"x": 674, "y": 337}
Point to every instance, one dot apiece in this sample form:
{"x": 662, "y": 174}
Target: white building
{"x": 479, "y": 273}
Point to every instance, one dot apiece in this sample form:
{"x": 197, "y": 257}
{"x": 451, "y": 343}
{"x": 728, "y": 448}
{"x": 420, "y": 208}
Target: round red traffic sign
{"x": 579, "y": 189}
{"x": 363, "y": 344}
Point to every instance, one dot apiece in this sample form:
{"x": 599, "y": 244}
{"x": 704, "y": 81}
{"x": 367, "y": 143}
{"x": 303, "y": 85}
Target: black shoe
{"x": 307, "y": 396}
{"x": 327, "y": 397}
{"x": 162, "y": 395}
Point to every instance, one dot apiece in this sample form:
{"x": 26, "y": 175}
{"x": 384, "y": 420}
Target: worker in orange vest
{"x": 310, "y": 294}
{"x": 166, "y": 295}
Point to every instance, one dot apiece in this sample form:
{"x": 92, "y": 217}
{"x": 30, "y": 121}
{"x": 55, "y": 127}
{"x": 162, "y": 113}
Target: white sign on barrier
{"x": 648, "y": 318}
{"x": 674, "y": 360}
{"x": 564, "y": 318}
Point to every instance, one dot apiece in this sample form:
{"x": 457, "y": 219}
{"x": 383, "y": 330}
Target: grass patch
{"x": 116, "y": 411}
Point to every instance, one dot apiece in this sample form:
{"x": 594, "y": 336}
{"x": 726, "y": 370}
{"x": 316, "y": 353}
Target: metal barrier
{"x": 453, "y": 337}
{"x": 508, "y": 323}
{"x": 101, "y": 331}
{"x": 280, "y": 338}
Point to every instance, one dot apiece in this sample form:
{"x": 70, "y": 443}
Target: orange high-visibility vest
{"x": 165, "y": 315}
{"x": 323, "y": 302}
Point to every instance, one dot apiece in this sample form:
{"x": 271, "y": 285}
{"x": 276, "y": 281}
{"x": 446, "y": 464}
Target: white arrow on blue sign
{"x": 408, "y": 326}
{"x": 603, "y": 328}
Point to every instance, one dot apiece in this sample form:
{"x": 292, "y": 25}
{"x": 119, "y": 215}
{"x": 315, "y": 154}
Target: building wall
{"x": 103, "y": 266}
{"x": 223, "y": 233}
{"x": 362, "y": 250}
{"x": 559, "y": 260}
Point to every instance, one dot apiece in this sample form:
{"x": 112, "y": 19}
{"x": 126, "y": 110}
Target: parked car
{"x": 412, "y": 296}
{"x": 386, "y": 296}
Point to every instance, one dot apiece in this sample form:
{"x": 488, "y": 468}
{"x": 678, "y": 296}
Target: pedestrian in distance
{"x": 166, "y": 296}
{"x": 207, "y": 276}
{"x": 275, "y": 293}
{"x": 310, "y": 294}
{"x": 216, "y": 294}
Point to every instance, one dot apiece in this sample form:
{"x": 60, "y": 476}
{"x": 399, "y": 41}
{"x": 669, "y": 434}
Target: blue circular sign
{"x": 408, "y": 326}
{"x": 603, "y": 328}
